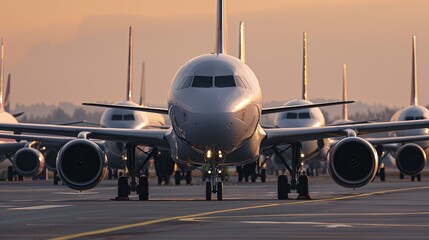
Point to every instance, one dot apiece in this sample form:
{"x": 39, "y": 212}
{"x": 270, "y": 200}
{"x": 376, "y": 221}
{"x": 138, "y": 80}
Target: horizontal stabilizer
{"x": 305, "y": 106}
{"x": 141, "y": 109}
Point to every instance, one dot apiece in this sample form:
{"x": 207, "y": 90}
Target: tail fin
{"x": 304, "y": 69}
{"x": 143, "y": 86}
{"x": 414, "y": 88}
{"x": 130, "y": 66}
{"x": 345, "y": 107}
{"x": 221, "y": 28}
{"x": 242, "y": 43}
{"x": 7, "y": 95}
{"x": 2, "y": 75}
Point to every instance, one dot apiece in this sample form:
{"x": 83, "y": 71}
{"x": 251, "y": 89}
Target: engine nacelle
{"x": 28, "y": 162}
{"x": 51, "y": 160}
{"x": 353, "y": 162}
{"x": 411, "y": 159}
{"x": 81, "y": 164}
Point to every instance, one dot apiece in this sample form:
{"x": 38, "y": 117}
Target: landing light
{"x": 209, "y": 171}
{"x": 220, "y": 154}
{"x": 302, "y": 155}
{"x": 209, "y": 154}
{"x": 219, "y": 171}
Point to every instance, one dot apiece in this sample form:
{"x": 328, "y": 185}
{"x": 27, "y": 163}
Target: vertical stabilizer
{"x": 7, "y": 95}
{"x": 242, "y": 43}
{"x": 130, "y": 66}
{"x": 345, "y": 107}
{"x": 414, "y": 88}
{"x": 221, "y": 28}
{"x": 2, "y": 75}
{"x": 304, "y": 68}
{"x": 143, "y": 86}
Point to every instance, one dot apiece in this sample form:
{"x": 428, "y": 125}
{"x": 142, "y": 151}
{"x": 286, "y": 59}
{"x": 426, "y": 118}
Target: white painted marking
{"x": 320, "y": 224}
{"x": 40, "y": 207}
{"x": 76, "y": 193}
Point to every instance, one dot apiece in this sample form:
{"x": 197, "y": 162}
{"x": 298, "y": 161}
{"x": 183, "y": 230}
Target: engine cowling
{"x": 51, "y": 160}
{"x": 28, "y": 162}
{"x": 81, "y": 164}
{"x": 353, "y": 162}
{"x": 411, "y": 159}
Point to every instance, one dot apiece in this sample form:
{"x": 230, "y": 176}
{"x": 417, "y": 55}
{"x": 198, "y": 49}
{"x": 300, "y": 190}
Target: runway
{"x": 396, "y": 209}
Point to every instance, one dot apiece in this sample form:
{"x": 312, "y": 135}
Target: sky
{"x": 76, "y": 50}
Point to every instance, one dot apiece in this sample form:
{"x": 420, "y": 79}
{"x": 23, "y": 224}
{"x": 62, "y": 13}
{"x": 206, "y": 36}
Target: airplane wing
{"x": 298, "y": 107}
{"x": 141, "y": 109}
{"x": 11, "y": 147}
{"x": 280, "y": 136}
{"x": 388, "y": 140}
{"x": 147, "y": 137}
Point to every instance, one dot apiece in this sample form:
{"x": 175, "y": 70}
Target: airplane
{"x": 214, "y": 104}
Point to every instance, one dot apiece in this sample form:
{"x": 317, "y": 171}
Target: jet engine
{"x": 28, "y": 162}
{"x": 353, "y": 162}
{"x": 411, "y": 159}
{"x": 51, "y": 160}
{"x": 81, "y": 164}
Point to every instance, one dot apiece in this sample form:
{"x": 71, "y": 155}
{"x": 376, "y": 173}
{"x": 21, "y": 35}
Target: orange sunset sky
{"x": 76, "y": 50}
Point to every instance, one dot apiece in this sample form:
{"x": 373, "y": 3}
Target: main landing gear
{"x": 300, "y": 184}
{"x": 214, "y": 185}
{"x": 142, "y": 188}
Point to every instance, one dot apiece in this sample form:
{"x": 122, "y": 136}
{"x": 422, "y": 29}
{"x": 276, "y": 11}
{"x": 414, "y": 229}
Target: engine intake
{"x": 51, "y": 160}
{"x": 81, "y": 164}
{"x": 28, "y": 162}
{"x": 353, "y": 162}
{"x": 411, "y": 159}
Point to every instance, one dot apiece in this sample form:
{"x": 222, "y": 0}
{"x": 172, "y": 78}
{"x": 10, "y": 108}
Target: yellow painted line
{"x": 155, "y": 221}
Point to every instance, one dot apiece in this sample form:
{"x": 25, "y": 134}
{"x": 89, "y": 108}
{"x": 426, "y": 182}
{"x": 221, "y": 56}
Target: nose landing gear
{"x": 215, "y": 185}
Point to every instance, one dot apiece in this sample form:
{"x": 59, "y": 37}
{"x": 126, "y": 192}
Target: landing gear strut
{"x": 142, "y": 188}
{"x": 300, "y": 184}
{"x": 214, "y": 185}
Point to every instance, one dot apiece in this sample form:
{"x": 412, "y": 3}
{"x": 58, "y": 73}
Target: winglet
{"x": 130, "y": 66}
{"x": 345, "y": 106}
{"x": 414, "y": 88}
{"x": 221, "y": 28}
{"x": 242, "y": 43}
{"x": 143, "y": 86}
{"x": 304, "y": 68}
{"x": 2, "y": 75}
{"x": 7, "y": 95}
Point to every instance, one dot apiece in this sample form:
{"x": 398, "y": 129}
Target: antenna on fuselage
{"x": 304, "y": 68}
{"x": 143, "y": 86}
{"x": 414, "y": 88}
{"x": 2, "y": 75}
{"x": 130, "y": 66}
{"x": 221, "y": 28}
{"x": 242, "y": 43}
{"x": 345, "y": 107}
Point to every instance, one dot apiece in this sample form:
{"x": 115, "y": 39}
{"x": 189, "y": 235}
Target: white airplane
{"x": 214, "y": 105}
{"x": 312, "y": 117}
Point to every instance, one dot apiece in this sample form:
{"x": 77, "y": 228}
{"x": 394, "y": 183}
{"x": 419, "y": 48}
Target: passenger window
{"x": 187, "y": 82}
{"x": 116, "y": 117}
{"x": 304, "y": 115}
{"x": 408, "y": 118}
{"x": 129, "y": 117}
{"x": 202, "y": 82}
{"x": 291, "y": 115}
{"x": 239, "y": 82}
{"x": 225, "y": 81}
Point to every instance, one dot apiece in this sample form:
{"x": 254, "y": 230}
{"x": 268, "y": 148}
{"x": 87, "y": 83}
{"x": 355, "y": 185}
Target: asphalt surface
{"x": 396, "y": 209}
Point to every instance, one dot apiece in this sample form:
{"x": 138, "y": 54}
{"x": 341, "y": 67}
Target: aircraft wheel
{"x": 401, "y": 176}
{"x": 10, "y": 173}
{"x": 412, "y": 178}
{"x": 303, "y": 192}
{"x": 159, "y": 180}
{"x": 208, "y": 191}
{"x": 253, "y": 177}
{"x": 263, "y": 175}
{"x": 282, "y": 187}
{"x": 219, "y": 191}
{"x": 110, "y": 174}
{"x": 419, "y": 178}
{"x": 177, "y": 177}
{"x": 143, "y": 188}
{"x": 188, "y": 177}
{"x": 382, "y": 174}
{"x": 123, "y": 189}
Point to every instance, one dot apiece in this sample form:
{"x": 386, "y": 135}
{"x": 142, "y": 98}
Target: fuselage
{"x": 6, "y": 117}
{"x": 215, "y": 106}
{"x": 311, "y": 117}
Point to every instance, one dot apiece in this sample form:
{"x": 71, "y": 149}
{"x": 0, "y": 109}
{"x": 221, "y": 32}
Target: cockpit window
{"x": 239, "y": 82}
{"x": 129, "y": 117}
{"x": 291, "y": 115}
{"x": 420, "y": 117}
{"x": 202, "y": 82}
{"x": 187, "y": 82}
{"x": 225, "y": 81}
{"x": 304, "y": 115}
{"x": 116, "y": 117}
{"x": 408, "y": 118}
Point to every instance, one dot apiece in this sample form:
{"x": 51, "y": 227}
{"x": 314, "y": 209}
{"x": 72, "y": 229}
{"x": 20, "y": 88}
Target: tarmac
{"x": 395, "y": 209}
